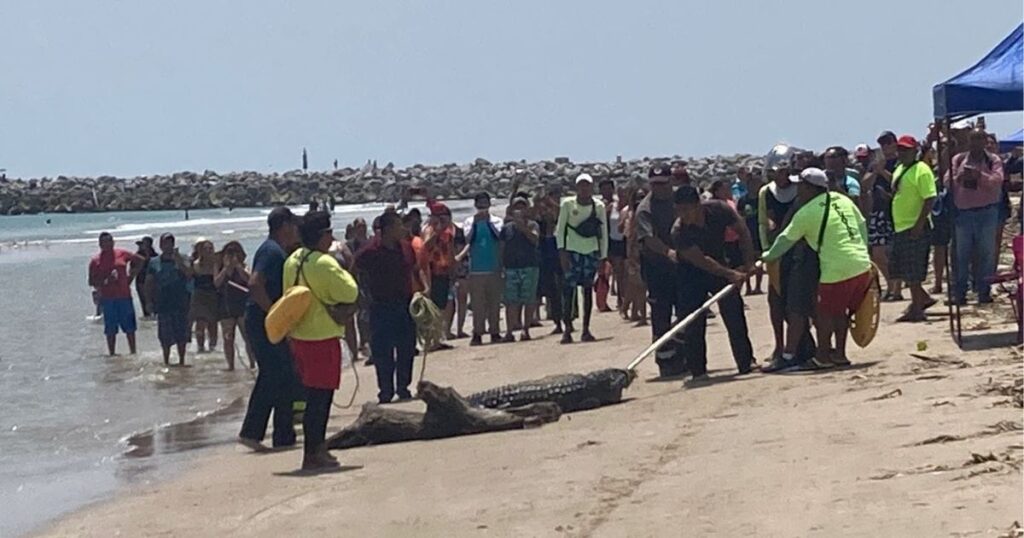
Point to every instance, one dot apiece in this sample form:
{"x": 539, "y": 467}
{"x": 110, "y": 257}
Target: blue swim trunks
{"x": 521, "y": 285}
{"x": 582, "y": 270}
{"x": 118, "y": 314}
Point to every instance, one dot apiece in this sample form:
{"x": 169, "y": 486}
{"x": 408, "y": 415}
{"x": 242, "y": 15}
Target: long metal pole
{"x": 955, "y": 327}
{"x": 684, "y": 323}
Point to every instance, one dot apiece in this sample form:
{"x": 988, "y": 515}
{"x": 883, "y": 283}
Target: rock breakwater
{"x": 371, "y": 183}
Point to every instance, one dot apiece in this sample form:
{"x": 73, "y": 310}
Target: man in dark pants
{"x": 388, "y": 265}
{"x": 698, "y": 239}
{"x": 276, "y": 385}
{"x": 654, "y": 218}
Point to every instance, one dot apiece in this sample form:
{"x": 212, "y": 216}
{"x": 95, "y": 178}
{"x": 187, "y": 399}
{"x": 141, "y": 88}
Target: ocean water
{"x": 76, "y": 425}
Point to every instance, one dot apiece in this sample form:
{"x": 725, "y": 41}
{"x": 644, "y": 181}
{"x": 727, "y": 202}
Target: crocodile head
{"x": 616, "y": 378}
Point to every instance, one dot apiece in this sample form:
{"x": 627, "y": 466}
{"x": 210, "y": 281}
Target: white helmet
{"x": 781, "y": 156}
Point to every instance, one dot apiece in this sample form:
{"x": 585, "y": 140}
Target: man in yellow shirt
{"x": 582, "y": 244}
{"x": 914, "y": 193}
{"x": 316, "y": 340}
{"x": 839, "y": 234}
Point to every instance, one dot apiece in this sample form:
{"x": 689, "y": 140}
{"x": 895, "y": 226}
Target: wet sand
{"x": 895, "y": 446}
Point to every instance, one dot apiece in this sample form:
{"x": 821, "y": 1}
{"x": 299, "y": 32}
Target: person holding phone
{"x": 976, "y": 183}
{"x": 169, "y": 298}
{"x": 232, "y": 281}
{"x": 521, "y": 259}
{"x": 483, "y": 248}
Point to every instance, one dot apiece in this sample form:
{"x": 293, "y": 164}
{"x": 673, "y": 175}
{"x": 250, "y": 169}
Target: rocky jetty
{"x": 371, "y": 183}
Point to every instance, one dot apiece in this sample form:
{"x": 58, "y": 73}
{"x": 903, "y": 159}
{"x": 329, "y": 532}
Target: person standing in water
{"x": 232, "y": 281}
{"x": 147, "y": 253}
{"x": 205, "y": 308}
{"x": 275, "y": 387}
{"x": 168, "y": 297}
{"x": 111, "y": 273}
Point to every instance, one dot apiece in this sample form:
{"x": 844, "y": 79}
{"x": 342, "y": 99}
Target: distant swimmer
{"x": 186, "y": 214}
{"x": 48, "y": 221}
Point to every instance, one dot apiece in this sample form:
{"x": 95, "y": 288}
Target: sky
{"x": 136, "y": 87}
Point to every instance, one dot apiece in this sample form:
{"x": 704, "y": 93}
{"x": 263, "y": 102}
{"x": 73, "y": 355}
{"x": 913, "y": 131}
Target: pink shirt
{"x": 990, "y": 181}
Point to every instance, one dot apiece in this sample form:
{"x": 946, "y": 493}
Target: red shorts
{"x": 841, "y": 298}
{"x": 318, "y": 362}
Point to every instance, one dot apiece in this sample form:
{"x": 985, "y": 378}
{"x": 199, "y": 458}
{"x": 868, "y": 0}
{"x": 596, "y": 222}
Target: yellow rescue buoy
{"x": 864, "y": 322}
{"x": 287, "y": 312}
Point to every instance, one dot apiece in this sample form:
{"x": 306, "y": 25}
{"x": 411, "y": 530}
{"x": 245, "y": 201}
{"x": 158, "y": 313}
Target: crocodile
{"x": 571, "y": 392}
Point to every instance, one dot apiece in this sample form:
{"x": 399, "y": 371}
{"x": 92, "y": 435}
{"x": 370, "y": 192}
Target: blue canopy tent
{"x": 1012, "y": 141}
{"x": 995, "y": 84}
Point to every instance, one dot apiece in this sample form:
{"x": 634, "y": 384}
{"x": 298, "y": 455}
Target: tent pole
{"x": 955, "y": 328}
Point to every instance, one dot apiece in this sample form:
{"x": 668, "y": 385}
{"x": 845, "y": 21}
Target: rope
{"x": 355, "y": 371}
{"x": 430, "y": 329}
{"x": 352, "y": 363}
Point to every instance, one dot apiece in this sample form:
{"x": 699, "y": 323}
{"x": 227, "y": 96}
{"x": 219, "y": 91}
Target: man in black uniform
{"x": 698, "y": 241}
{"x": 654, "y": 218}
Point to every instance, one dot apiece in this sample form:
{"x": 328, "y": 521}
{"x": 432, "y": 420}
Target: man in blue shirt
{"x": 841, "y": 179}
{"x": 739, "y": 184}
{"x": 483, "y": 238}
{"x": 276, "y": 383}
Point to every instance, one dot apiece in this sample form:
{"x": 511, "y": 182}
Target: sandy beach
{"x": 895, "y": 446}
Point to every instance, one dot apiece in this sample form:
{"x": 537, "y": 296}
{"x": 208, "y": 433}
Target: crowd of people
{"x": 202, "y": 296}
{"x": 814, "y": 224}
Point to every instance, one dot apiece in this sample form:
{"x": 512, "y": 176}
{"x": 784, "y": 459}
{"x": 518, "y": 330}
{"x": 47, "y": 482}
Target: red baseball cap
{"x": 907, "y": 141}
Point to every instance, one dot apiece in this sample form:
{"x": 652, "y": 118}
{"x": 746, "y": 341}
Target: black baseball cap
{"x": 886, "y": 135}
{"x": 686, "y": 194}
{"x": 145, "y": 239}
{"x": 660, "y": 172}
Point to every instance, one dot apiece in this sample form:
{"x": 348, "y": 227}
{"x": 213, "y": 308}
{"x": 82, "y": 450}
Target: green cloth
{"x": 844, "y": 254}
{"x": 913, "y": 188}
{"x": 571, "y": 213}
{"x": 330, "y": 283}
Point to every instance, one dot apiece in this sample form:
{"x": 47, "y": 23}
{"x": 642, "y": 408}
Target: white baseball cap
{"x": 812, "y": 176}
{"x": 584, "y": 177}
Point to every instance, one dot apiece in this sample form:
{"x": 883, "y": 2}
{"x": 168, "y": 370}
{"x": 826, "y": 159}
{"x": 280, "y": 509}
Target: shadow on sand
{"x": 981, "y": 342}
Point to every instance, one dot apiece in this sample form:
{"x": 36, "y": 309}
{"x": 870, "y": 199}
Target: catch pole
{"x": 684, "y": 323}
